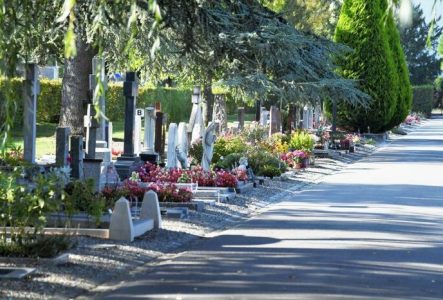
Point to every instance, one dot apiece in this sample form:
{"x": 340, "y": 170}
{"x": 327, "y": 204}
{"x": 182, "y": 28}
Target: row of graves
{"x": 154, "y": 177}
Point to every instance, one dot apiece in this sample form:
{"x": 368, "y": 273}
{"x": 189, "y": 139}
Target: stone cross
{"x": 172, "y": 154}
{"x": 208, "y": 141}
{"x": 241, "y": 118}
{"x": 31, "y": 88}
{"x": 219, "y": 114}
{"x": 148, "y": 143}
{"x": 128, "y": 159}
{"x": 62, "y": 146}
{"x": 182, "y": 145}
{"x": 130, "y": 90}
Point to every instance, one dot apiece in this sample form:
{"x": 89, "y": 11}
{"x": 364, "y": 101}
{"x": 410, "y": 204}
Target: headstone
{"x": 137, "y": 131}
{"x": 109, "y": 136}
{"x": 258, "y": 110}
{"x": 182, "y": 145}
{"x": 241, "y": 118}
{"x": 208, "y": 146}
{"x": 77, "y": 156}
{"x": 31, "y": 88}
{"x": 305, "y": 117}
{"x": 264, "y": 117}
{"x": 196, "y": 119}
{"x": 219, "y": 113}
{"x": 92, "y": 168}
{"x": 158, "y": 133}
{"x": 273, "y": 122}
{"x": 62, "y": 146}
{"x": 90, "y": 123}
{"x": 148, "y": 143}
{"x": 172, "y": 154}
{"x": 109, "y": 177}
{"x": 126, "y": 161}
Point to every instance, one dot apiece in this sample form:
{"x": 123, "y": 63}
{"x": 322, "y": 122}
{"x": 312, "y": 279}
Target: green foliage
{"x": 270, "y": 171}
{"x": 316, "y": 16}
{"x": 423, "y": 62}
{"x": 261, "y": 160}
{"x": 175, "y": 102}
{"x": 227, "y": 145}
{"x": 81, "y": 197}
{"x": 301, "y": 140}
{"x": 40, "y": 246}
{"x": 196, "y": 152}
{"x": 361, "y": 27}
{"x": 23, "y": 205}
{"x": 404, "y": 92}
{"x": 230, "y": 161}
{"x": 423, "y": 99}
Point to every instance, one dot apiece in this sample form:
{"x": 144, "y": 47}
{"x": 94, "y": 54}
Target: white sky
{"x": 426, "y": 5}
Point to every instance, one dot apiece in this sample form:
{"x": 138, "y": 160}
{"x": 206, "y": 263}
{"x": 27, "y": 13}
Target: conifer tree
{"x": 361, "y": 26}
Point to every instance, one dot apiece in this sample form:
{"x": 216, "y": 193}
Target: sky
{"x": 426, "y": 5}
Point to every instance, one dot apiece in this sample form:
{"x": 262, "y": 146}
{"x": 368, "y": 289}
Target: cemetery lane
{"x": 372, "y": 231}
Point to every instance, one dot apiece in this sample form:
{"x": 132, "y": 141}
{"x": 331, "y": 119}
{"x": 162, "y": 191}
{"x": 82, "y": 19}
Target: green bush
{"x": 423, "y": 99}
{"x": 230, "y": 161}
{"x": 301, "y": 140}
{"x": 361, "y": 26}
{"x": 262, "y": 161}
{"x": 227, "y": 145}
{"x": 175, "y": 102}
{"x": 404, "y": 93}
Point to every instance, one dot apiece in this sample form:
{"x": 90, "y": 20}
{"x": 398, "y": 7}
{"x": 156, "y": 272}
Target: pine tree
{"x": 361, "y": 27}
{"x": 423, "y": 63}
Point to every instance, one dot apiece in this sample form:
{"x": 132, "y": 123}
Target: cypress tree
{"x": 404, "y": 94}
{"x": 361, "y": 27}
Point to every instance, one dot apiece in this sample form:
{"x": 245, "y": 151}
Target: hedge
{"x": 423, "y": 99}
{"x": 175, "y": 102}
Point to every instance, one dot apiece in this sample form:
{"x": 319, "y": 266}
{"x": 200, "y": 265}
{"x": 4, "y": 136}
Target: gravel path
{"x": 95, "y": 261}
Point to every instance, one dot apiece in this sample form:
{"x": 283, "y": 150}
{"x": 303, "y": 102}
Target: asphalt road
{"x": 373, "y": 231}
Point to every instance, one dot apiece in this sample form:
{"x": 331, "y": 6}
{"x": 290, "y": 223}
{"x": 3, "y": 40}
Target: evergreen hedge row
{"x": 175, "y": 102}
{"x": 423, "y": 99}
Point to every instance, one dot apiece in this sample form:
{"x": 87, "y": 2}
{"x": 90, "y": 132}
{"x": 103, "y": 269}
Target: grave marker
{"x": 31, "y": 88}
{"x": 62, "y": 146}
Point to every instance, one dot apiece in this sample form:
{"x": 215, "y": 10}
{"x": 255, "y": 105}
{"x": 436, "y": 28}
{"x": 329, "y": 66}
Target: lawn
{"x": 45, "y": 142}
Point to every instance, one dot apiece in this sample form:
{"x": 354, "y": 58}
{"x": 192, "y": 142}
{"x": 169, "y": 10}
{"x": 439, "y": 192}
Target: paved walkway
{"x": 374, "y": 231}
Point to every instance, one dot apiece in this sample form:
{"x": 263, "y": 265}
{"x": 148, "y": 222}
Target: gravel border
{"x": 94, "y": 261}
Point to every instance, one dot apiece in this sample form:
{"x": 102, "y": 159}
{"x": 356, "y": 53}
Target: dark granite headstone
{"x": 77, "y": 156}
{"x": 31, "y": 88}
{"x": 62, "y": 146}
{"x": 241, "y": 118}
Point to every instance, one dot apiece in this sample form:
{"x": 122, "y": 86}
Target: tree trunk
{"x": 75, "y": 88}
{"x": 208, "y": 100}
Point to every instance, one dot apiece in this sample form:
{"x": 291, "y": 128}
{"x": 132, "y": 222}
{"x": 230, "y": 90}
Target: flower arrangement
{"x": 412, "y": 119}
{"x": 170, "y": 192}
{"x": 241, "y": 174}
{"x": 294, "y": 157}
{"x": 225, "y": 179}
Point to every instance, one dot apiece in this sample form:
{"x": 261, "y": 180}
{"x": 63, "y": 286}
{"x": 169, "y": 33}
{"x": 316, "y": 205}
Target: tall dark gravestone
{"x": 127, "y": 160}
{"x": 62, "y": 146}
{"x": 77, "y": 157}
{"x": 158, "y": 133}
{"x": 31, "y": 88}
{"x": 241, "y": 118}
{"x": 258, "y": 111}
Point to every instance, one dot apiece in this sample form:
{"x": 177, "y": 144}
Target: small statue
{"x": 243, "y": 163}
{"x": 209, "y": 138}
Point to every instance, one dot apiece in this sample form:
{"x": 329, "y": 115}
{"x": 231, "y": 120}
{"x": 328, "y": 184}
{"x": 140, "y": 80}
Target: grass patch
{"x": 248, "y": 117}
{"x": 42, "y": 246}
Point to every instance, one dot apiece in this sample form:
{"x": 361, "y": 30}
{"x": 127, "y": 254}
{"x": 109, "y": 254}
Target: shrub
{"x": 230, "y": 161}
{"x": 40, "y": 246}
{"x": 404, "y": 93}
{"x": 258, "y": 158}
{"x": 423, "y": 99}
{"x": 301, "y": 140}
{"x": 270, "y": 171}
{"x": 361, "y": 27}
{"x": 175, "y": 102}
{"x": 226, "y": 145}
{"x": 196, "y": 152}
